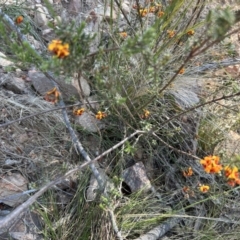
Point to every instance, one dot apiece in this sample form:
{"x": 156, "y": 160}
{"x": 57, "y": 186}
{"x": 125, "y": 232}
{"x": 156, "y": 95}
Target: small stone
{"x": 57, "y": 20}
{"x": 89, "y": 122}
{"x": 84, "y": 85}
{"x": 105, "y": 12}
{"x": 3, "y": 61}
{"x": 40, "y": 16}
{"x": 136, "y": 178}
{"x": 126, "y": 7}
{"x": 16, "y": 85}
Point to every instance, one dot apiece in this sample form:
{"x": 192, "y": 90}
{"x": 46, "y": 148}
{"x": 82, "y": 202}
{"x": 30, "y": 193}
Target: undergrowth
{"x": 141, "y": 77}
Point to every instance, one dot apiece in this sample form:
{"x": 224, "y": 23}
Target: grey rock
{"x": 84, "y": 86}
{"x": 3, "y": 61}
{"x": 42, "y": 85}
{"x": 136, "y": 178}
{"x": 40, "y": 16}
{"x": 89, "y": 122}
{"x": 16, "y": 85}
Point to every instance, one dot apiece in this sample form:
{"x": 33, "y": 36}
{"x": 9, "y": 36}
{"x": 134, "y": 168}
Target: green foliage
{"x": 220, "y": 22}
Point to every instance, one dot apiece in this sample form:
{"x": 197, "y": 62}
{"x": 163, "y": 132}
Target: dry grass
{"x": 44, "y": 149}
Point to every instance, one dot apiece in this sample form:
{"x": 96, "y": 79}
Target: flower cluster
{"x": 154, "y": 8}
{"x": 143, "y": 12}
{"x": 211, "y": 164}
{"x": 78, "y": 112}
{"x": 100, "y": 115}
{"x": 232, "y": 175}
{"x": 59, "y": 49}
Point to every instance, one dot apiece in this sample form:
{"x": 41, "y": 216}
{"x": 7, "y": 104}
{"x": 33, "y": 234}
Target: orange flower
{"x": 188, "y": 172}
{"x": 160, "y": 14}
{"x": 181, "y": 71}
{"x": 143, "y": 12}
{"x": 186, "y": 189}
{"x": 171, "y": 33}
{"x": 146, "y": 114}
{"x": 190, "y": 32}
{"x": 52, "y": 95}
{"x": 204, "y": 188}
{"x": 232, "y": 175}
{"x": 78, "y": 112}
{"x": 211, "y": 164}
{"x": 58, "y": 48}
{"x": 100, "y": 115}
{"x": 123, "y": 34}
{"x": 152, "y": 9}
{"x": 19, "y": 19}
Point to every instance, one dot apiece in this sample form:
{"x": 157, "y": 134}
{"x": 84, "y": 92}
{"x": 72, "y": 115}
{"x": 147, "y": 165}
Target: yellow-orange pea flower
{"x": 231, "y": 172}
{"x": 19, "y": 19}
{"x": 143, "y": 12}
{"x": 160, "y": 14}
{"x": 181, "y": 71}
{"x": 204, "y": 188}
{"x": 152, "y": 9}
{"x": 188, "y": 172}
{"x": 232, "y": 175}
{"x": 145, "y": 114}
{"x": 100, "y": 115}
{"x": 171, "y": 33}
{"x": 123, "y": 34}
{"x": 211, "y": 164}
{"x": 78, "y": 112}
{"x": 59, "y": 49}
{"x": 190, "y": 32}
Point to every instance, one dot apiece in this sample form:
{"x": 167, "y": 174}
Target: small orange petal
{"x": 181, "y": 71}
{"x": 19, "y": 19}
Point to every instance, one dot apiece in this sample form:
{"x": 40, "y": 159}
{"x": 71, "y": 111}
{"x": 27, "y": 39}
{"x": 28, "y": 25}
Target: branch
{"x": 174, "y": 149}
{"x": 7, "y": 221}
{"x": 78, "y": 146}
{"x": 159, "y": 231}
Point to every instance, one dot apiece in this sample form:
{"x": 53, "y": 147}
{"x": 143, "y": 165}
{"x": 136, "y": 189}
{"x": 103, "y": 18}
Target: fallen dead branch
{"x": 6, "y": 222}
{"x": 13, "y": 216}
